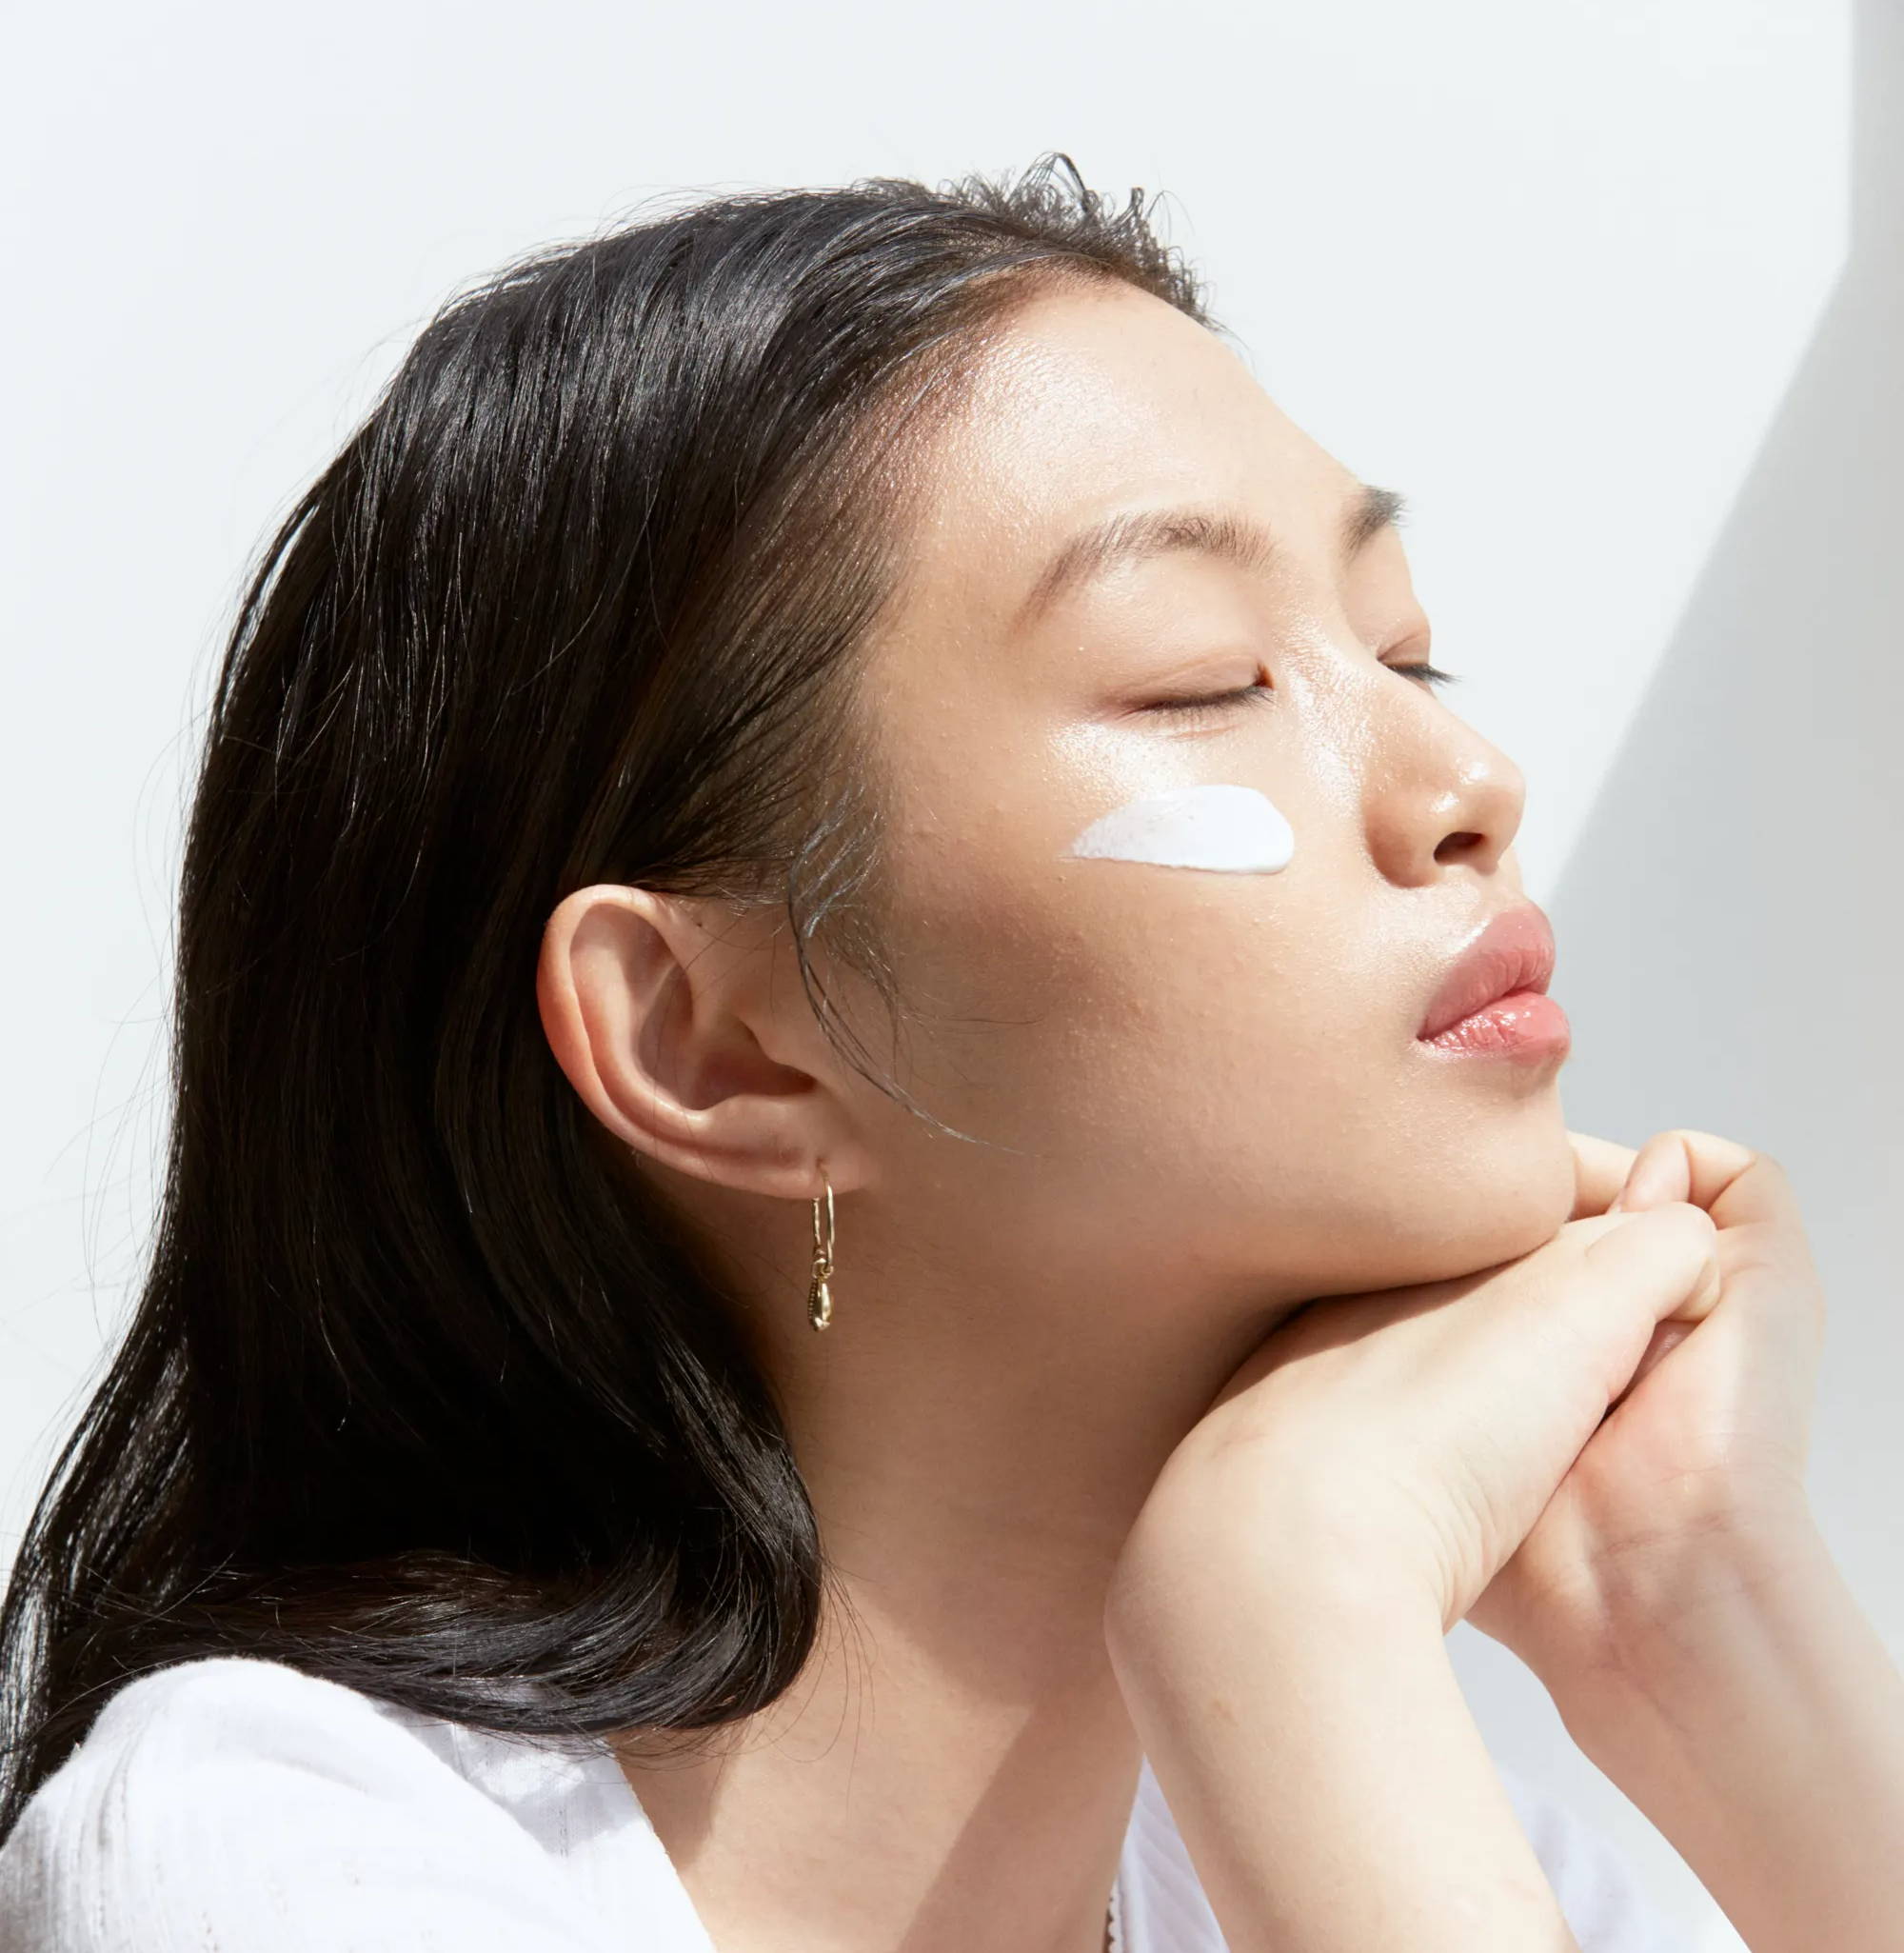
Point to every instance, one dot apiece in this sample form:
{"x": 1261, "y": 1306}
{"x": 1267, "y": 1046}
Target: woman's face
{"x": 1178, "y": 1067}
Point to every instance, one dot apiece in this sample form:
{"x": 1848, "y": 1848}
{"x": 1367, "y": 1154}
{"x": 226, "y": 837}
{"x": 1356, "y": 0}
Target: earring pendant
{"x": 819, "y": 1296}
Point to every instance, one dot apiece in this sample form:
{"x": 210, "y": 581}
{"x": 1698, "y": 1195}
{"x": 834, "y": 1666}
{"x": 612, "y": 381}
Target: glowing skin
{"x": 1232, "y": 830}
{"x": 1221, "y": 1067}
{"x": 1193, "y": 1100}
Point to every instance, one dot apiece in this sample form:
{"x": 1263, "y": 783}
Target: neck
{"x": 956, "y": 1767}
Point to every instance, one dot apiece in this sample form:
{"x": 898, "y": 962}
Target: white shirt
{"x": 231, "y": 1804}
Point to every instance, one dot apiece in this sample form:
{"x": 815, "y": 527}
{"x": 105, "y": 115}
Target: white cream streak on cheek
{"x": 1233, "y": 829}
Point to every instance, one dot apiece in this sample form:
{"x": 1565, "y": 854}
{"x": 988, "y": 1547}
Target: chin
{"x": 1508, "y": 1201}
{"x": 1494, "y": 1198}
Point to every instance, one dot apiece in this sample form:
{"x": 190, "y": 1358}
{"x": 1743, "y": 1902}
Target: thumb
{"x": 1643, "y": 1269}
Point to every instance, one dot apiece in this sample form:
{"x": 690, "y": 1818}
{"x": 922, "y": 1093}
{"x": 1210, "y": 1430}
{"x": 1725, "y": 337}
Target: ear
{"x": 684, "y": 1028}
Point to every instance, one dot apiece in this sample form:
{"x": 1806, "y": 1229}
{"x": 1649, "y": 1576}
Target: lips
{"x": 1513, "y": 956}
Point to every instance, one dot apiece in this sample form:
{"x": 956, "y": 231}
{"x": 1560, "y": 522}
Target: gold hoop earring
{"x": 819, "y": 1297}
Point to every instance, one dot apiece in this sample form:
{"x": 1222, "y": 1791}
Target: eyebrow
{"x": 1221, "y": 533}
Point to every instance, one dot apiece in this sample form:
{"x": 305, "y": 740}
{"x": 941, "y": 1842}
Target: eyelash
{"x": 1214, "y": 701}
{"x": 1428, "y": 675}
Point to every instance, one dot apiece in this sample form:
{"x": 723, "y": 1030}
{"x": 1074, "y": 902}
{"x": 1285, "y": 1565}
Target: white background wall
{"x": 1612, "y": 289}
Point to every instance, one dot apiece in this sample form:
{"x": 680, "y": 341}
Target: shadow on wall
{"x": 1731, "y": 923}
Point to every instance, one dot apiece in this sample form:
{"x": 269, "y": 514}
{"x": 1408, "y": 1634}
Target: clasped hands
{"x": 1576, "y": 1451}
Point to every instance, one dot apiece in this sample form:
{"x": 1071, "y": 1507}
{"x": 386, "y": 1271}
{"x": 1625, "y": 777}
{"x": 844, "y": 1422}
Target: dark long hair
{"x": 422, "y": 1395}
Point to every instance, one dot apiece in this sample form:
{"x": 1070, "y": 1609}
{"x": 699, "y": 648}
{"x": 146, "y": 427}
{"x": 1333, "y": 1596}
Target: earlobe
{"x": 652, "y": 1007}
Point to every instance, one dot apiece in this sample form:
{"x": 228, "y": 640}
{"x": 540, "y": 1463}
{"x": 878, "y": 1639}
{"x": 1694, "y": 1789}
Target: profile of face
{"x": 1178, "y": 853}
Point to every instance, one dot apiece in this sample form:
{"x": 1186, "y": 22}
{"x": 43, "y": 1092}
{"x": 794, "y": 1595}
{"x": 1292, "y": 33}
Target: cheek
{"x": 1217, "y": 1067}
{"x": 1097, "y": 919}
{"x": 1229, "y": 1037}
{"x": 1069, "y": 998}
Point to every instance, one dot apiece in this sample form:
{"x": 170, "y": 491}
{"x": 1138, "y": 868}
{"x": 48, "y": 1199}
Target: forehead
{"x": 1091, "y": 402}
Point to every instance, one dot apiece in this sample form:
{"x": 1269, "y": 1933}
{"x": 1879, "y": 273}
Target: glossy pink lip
{"x": 1494, "y": 996}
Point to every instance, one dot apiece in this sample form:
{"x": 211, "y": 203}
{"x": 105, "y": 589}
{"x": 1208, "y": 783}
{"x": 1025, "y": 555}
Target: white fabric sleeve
{"x": 1603, "y": 1898}
{"x": 234, "y": 1805}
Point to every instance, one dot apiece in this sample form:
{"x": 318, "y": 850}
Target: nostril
{"x": 1456, "y": 846}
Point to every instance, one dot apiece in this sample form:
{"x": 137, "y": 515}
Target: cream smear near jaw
{"x": 1235, "y": 830}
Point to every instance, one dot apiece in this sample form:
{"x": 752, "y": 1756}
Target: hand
{"x": 1701, "y": 1465}
{"x": 1403, "y": 1444}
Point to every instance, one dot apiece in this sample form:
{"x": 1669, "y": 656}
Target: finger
{"x": 1665, "y": 1259}
{"x": 1660, "y": 1267}
{"x": 1600, "y": 1167}
{"x": 1688, "y": 1165}
{"x": 1667, "y": 1337}
{"x": 1660, "y": 1172}
{"x": 1621, "y": 1275}
{"x": 1737, "y": 1185}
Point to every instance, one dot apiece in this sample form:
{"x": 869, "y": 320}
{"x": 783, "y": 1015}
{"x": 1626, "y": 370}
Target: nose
{"x": 1439, "y": 798}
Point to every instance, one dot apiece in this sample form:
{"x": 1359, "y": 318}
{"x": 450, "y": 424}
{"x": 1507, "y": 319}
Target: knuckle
{"x": 1715, "y": 1146}
{"x": 1674, "y": 1218}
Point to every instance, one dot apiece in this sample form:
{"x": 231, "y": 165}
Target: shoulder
{"x": 1603, "y": 1900}
{"x": 231, "y": 1803}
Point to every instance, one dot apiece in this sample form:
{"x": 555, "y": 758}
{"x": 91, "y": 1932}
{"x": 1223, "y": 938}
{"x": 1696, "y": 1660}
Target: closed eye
{"x": 1430, "y": 676}
{"x": 1426, "y": 674}
{"x": 1212, "y": 701}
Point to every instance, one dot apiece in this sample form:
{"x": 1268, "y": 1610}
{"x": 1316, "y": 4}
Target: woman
{"x": 869, "y": 1228}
